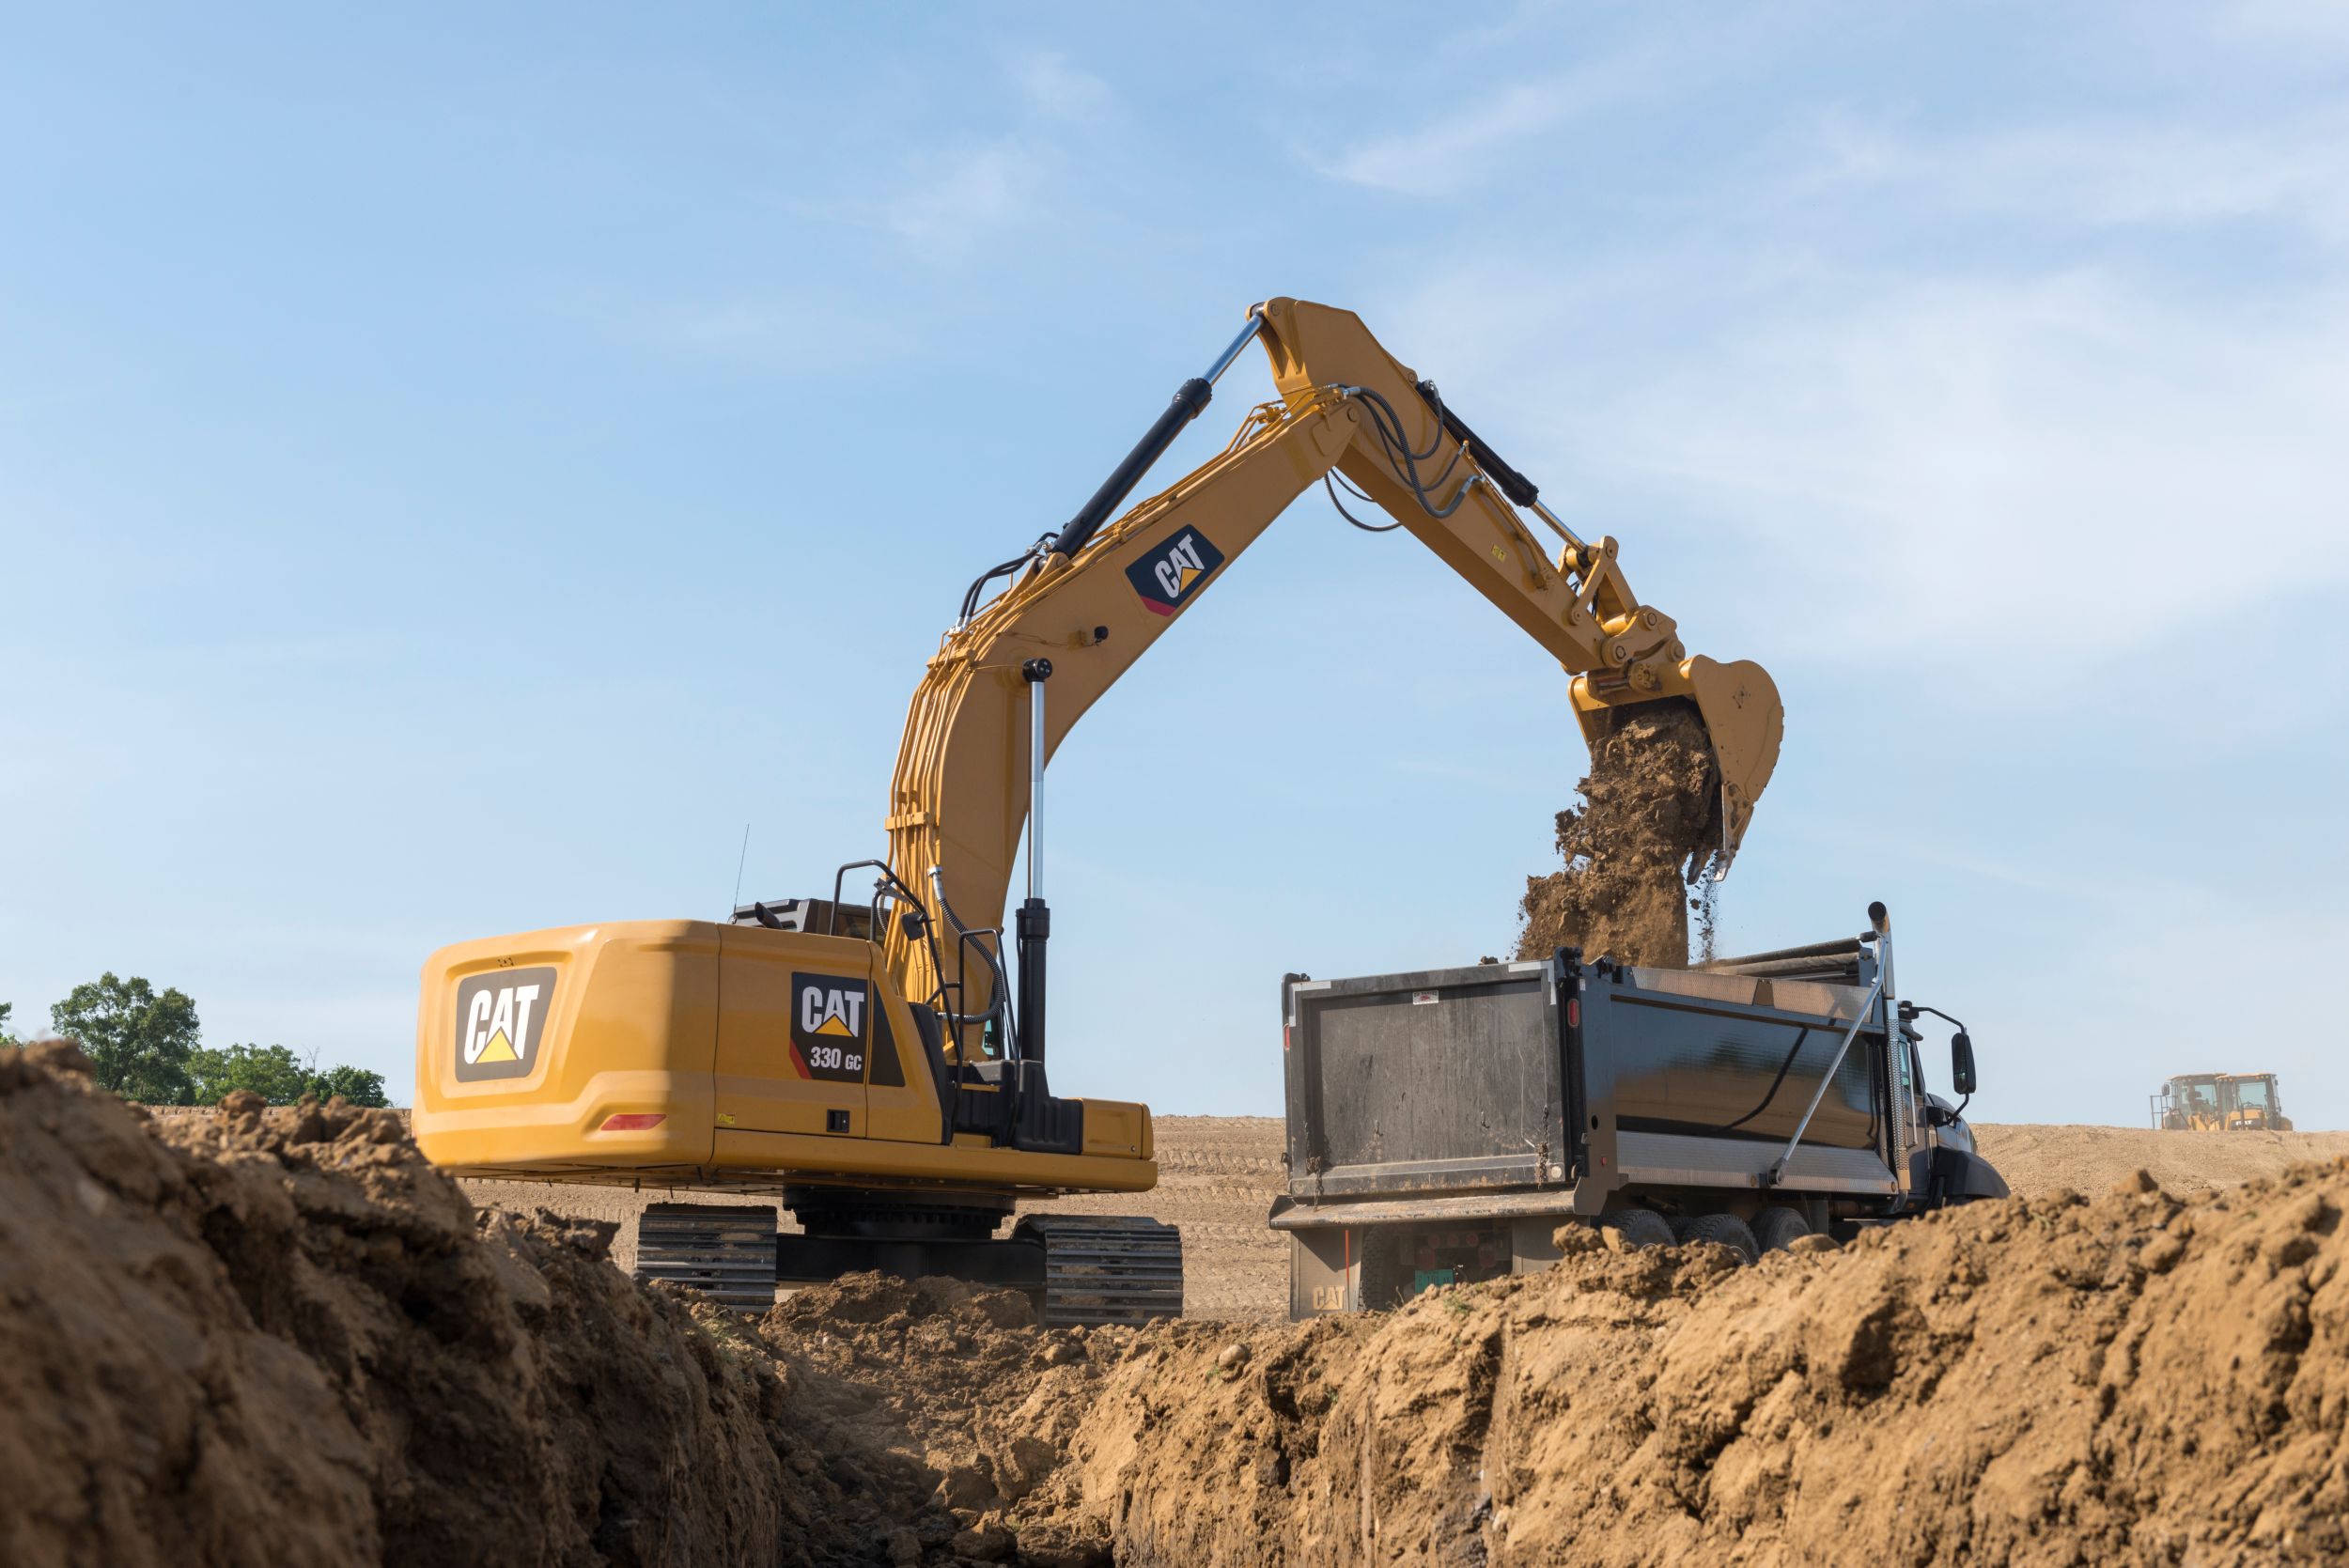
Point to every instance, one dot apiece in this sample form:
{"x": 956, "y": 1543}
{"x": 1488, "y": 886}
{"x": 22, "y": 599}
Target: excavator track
{"x": 1106, "y": 1270}
{"x": 724, "y": 1250}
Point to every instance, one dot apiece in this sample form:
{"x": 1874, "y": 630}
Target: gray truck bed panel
{"x": 1684, "y": 1065}
{"x": 1412, "y": 1087}
{"x": 1392, "y": 1088}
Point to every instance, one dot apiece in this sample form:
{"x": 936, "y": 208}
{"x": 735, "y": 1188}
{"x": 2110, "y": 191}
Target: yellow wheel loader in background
{"x": 881, "y": 1067}
{"x": 2220, "y": 1102}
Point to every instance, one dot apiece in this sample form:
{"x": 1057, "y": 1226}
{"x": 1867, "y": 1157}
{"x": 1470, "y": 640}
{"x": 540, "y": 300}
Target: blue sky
{"x": 458, "y": 467}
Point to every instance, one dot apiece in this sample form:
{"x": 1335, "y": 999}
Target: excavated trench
{"x": 280, "y": 1337}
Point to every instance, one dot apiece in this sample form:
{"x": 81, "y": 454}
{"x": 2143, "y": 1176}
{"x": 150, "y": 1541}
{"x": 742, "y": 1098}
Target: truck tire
{"x": 1726, "y": 1229}
{"x": 1639, "y": 1227}
{"x": 1774, "y": 1229}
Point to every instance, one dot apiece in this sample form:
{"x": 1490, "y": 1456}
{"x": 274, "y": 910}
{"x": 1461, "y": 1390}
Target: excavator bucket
{"x": 1741, "y": 711}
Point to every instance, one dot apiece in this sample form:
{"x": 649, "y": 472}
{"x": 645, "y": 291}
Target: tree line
{"x": 147, "y": 1045}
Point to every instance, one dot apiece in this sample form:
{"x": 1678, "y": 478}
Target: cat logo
{"x": 827, "y": 1026}
{"x": 1171, "y": 573}
{"x": 500, "y": 1018}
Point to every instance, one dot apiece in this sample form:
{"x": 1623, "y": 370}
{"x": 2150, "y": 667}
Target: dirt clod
{"x": 1648, "y": 825}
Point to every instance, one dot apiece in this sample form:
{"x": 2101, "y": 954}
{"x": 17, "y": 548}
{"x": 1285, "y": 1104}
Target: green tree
{"x": 7, "y": 1037}
{"x": 355, "y": 1084}
{"x": 138, "y": 1039}
{"x": 278, "y": 1076}
{"x": 270, "y": 1071}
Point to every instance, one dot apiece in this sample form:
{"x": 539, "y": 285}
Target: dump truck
{"x": 2220, "y": 1102}
{"x": 1444, "y": 1126}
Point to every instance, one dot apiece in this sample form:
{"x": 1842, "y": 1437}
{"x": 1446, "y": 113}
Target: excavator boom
{"x": 1085, "y": 603}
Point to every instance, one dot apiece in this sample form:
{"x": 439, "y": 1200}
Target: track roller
{"x": 724, "y": 1250}
{"x": 1106, "y": 1270}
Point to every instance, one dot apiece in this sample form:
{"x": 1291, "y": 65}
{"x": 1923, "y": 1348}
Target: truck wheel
{"x": 1639, "y": 1227}
{"x": 1726, "y": 1229}
{"x": 1775, "y": 1228}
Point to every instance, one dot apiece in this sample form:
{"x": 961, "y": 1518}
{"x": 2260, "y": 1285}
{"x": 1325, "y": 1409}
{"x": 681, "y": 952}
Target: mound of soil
{"x": 1648, "y": 826}
{"x": 961, "y": 1380}
{"x": 280, "y": 1337}
{"x": 2140, "y": 1378}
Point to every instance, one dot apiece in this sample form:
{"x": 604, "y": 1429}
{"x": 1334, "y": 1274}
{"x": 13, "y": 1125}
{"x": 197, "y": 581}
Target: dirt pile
{"x": 280, "y": 1337}
{"x": 1647, "y": 827}
{"x": 959, "y": 1381}
{"x": 2139, "y": 1378}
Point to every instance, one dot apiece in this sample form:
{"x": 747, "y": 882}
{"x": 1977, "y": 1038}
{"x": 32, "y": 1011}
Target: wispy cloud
{"x": 1990, "y": 461}
{"x": 792, "y": 329}
{"x": 2114, "y": 174}
{"x": 951, "y": 198}
{"x": 963, "y": 194}
{"x": 1058, "y": 90}
{"x": 1461, "y": 150}
{"x": 2019, "y": 473}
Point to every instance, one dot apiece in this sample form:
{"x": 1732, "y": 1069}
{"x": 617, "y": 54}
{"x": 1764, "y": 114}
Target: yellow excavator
{"x": 880, "y": 1066}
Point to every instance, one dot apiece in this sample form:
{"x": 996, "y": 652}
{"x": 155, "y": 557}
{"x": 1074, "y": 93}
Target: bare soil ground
{"x": 1218, "y": 1176}
{"x": 2037, "y": 1159}
{"x": 282, "y": 1337}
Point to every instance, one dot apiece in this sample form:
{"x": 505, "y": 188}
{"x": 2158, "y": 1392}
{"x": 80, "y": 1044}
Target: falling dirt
{"x": 1646, "y": 829}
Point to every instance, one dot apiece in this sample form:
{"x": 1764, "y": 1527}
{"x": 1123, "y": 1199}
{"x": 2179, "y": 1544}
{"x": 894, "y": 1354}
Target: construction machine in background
{"x": 2220, "y": 1102}
{"x": 879, "y": 1065}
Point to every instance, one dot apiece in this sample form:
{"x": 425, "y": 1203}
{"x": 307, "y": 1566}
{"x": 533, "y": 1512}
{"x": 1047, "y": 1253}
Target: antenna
{"x": 742, "y": 860}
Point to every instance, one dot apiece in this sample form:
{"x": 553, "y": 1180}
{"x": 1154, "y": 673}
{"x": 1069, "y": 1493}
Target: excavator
{"x": 881, "y": 1067}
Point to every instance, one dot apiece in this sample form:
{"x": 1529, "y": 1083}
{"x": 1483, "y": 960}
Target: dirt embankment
{"x": 1647, "y": 827}
{"x": 1218, "y": 1176}
{"x": 280, "y": 1337}
{"x": 2140, "y": 1378}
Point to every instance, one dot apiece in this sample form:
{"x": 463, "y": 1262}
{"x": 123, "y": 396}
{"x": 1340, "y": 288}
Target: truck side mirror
{"x": 1962, "y": 1063}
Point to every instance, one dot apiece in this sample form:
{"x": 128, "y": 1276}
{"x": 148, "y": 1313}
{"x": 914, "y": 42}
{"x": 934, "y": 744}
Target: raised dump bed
{"x": 1444, "y": 1123}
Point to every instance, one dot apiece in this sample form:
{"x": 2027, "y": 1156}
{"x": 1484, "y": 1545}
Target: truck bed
{"x": 1549, "y": 1085}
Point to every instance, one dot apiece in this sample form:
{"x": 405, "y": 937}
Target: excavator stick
{"x": 1742, "y": 715}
